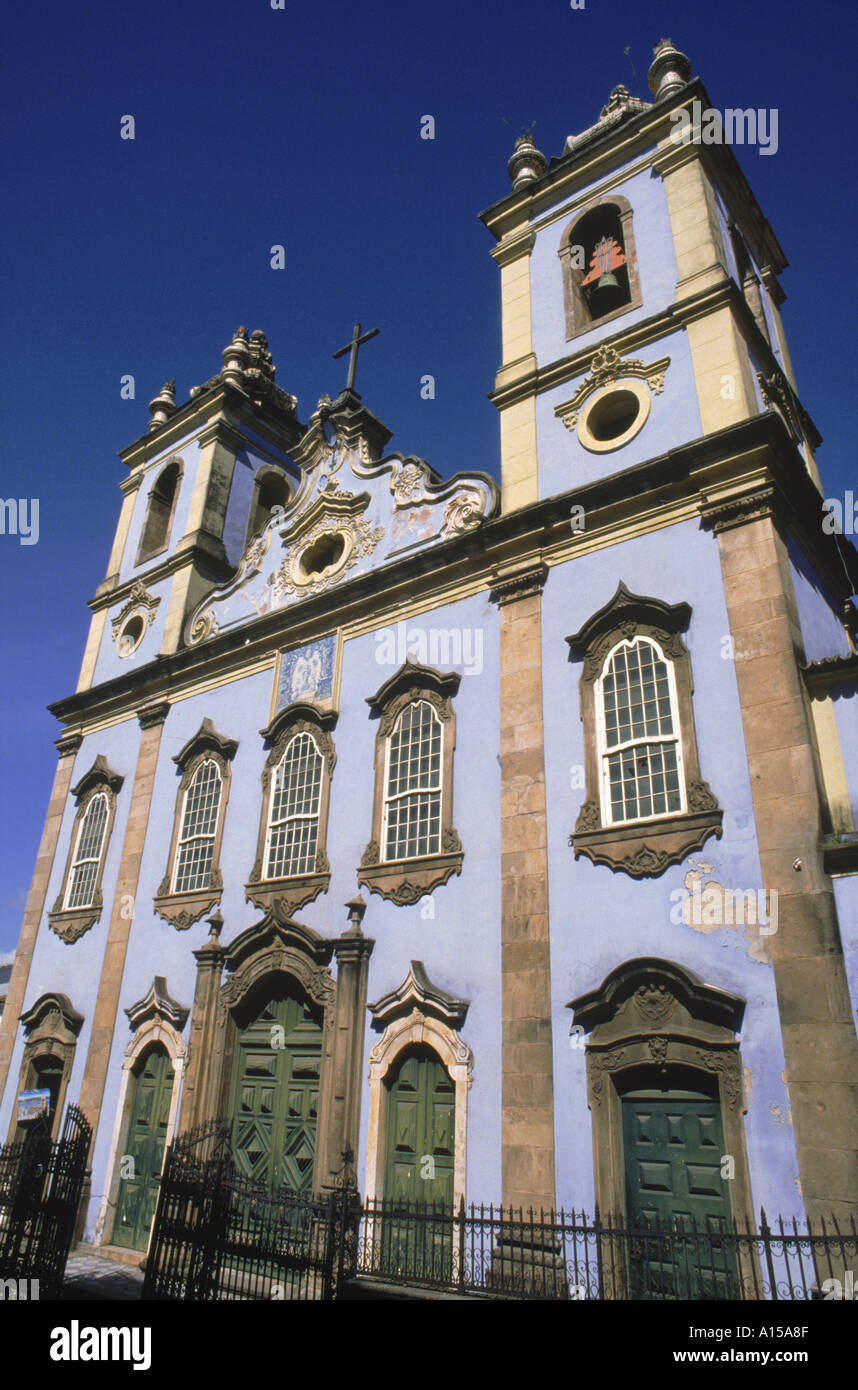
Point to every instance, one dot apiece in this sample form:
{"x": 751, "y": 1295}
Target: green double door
{"x": 140, "y": 1165}
{"x": 673, "y": 1145}
{"x": 276, "y": 1094}
{"x": 419, "y": 1162}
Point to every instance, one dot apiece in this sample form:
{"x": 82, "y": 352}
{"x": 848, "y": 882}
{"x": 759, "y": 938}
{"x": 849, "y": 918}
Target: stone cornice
{"x": 820, "y": 676}
{"x": 720, "y": 467}
{"x": 508, "y": 588}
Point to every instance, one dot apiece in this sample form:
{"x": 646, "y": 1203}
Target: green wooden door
{"x": 673, "y": 1143}
{"x": 140, "y": 1165}
{"x": 276, "y": 1094}
{"x": 418, "y": 1172}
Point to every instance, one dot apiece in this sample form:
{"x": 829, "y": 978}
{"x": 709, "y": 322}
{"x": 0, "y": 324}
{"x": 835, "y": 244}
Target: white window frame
{"x": 438, "y": 791}
{"x": 76, "y": 862}
{"x": 266, "y": 877}
{"x": 183, "y": 839}
{"x": 604, "y": 752}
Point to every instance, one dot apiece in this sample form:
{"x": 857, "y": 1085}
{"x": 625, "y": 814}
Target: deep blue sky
{"x": 301, "y": 126}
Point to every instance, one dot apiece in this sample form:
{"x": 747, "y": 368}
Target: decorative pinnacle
{"x": 356, "y": 909}
{"x": 526, "y": 163}
{"x": 163, "y": 406}
{"x": 236, "y": 357}
{"x": 669, "y": 70}
{"x": 215, "y": 922}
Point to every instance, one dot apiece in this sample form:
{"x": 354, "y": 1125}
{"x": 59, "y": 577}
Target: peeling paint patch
{"x": 712, "y": 907}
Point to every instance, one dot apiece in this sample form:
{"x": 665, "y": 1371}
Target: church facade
{"x": 496, "y": 841}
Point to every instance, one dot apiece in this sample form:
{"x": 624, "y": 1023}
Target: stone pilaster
{"x": 67, "y": 747}
{"x": 819, "y": 1039}
{"x": 199, "y": 1096}
{"x": 339, "y": 1117}
{"x": 113, "y": 964}
{"x": 527, "y": 1065}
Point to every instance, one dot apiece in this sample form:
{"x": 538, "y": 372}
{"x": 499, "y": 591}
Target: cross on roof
{"x": 352, "y": 349}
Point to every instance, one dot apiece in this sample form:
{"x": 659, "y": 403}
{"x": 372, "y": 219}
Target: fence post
{"x": 460, "y": 1217}
{"x": 766, "y": 1237}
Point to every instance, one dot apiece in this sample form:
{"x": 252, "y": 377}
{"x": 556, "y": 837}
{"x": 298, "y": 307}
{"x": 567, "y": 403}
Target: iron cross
{"x": 352, "y": 349}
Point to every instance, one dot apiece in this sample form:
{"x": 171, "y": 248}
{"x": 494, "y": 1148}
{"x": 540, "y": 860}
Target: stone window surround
{"x": 51, "y": 1028}
{"x": 418, "y": 1013}
{"x": 658, "y": 1017}
{"x": 71, "y": 923}
{"x": 641, "y": 848}
{"x": 144, "y": 556}
{"x": 578, "y": 318}
{"x": 293, "y": 891}
{"x": 605, "y": 750}
{"x": 157, "y": 1021}
{"x": 183, "y": 909}
{"x": 406, "y": 881}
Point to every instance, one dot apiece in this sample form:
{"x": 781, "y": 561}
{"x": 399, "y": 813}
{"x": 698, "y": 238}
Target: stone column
{"x": 817, "y": 1022}
{"x": 527, "y": 1155}
{"x": 116, "y": 946}
{"x": 339, "y": 1117}
{"x": 67, "y": 746}
{"x": 200, "y": 1093}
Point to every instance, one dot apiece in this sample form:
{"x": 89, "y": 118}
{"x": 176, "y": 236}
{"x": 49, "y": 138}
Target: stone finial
{"x": 163, "y": 406}
{"x": 356, "y": 909}
{"x": 261, "y": 362}
{"x": 215, "y": 923}
{"x": 526, "y": 163}
{"x": 236, "y": 357}
{"x": 669, "y": 70}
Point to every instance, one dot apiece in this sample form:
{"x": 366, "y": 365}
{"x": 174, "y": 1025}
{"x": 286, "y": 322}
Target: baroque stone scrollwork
{"x": 70, "y": 923}
{"x": 643, "y": 848}
{"x": 653, "y": 1023}
{"x": 183, "y": 908}
{"x": 140, "y": 605}
{"x": 606, "y": 368}
{"x": 406, "y": 881}
{"x": 292, "y": 892}
{"x": 417, "y": 1013}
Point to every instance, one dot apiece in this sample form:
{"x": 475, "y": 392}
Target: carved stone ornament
{"x": 606, "y": 367}
{"x": 139, "y": 601}
{"x": 182, "y": 909}
{"x": 293, "y": 892}
{"x": 71, "y": 923}
{"x": 157, "y": 1003}
{"x": 728, "y": 1068}
{"x": 643, "y": 848}
{"x": 418, "y": 992}
{"x": 522, "y": 584}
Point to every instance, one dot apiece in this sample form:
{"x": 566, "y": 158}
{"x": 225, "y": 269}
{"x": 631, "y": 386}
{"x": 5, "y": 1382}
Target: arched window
{"x": 193, "y": 883}
{"x": 646, "y": 805}
{"x": 412, "y": 801}
{"x": 638, "y": 725}
{"x": 87, "y": 855}
{"x": 195, "y": 849}
{"x": 414, "y": 846}
{"x": 599, "y": 265}
{"x": 271, "y": 489}
{"x": 291, "y": 865}
{"x": 293, "y": 822}
{"x": 79, "y": 902}
{"x": 159, "y": 513}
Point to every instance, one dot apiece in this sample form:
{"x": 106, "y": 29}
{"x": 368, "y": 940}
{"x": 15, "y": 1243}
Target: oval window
{"x": 323, "y": 554}
{"x": 130, "y": 636}
{"x": 613, "y": 415}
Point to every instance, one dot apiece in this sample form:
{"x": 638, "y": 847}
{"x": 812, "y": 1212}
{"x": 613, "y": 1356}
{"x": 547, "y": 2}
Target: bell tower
{"x": 639, "y": 293}
{"x": 202, "y": 481}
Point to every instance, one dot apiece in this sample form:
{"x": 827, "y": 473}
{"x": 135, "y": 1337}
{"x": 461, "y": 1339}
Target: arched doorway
{"x": 421, "y": 1115}
{"x": 275, "y": 1095}
{"x": 140, "y": 1165}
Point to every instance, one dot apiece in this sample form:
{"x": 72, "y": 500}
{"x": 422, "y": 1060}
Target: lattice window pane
{"x": 195, "y": 849}
{"x": 88, "y": 854}
{"x": 643, "y": 770}
{"x": 293, "y": 828}
{"x": 413, "y": 801}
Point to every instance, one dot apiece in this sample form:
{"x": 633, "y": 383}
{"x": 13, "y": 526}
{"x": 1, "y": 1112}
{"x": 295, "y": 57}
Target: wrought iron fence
{"x": 219, "y": 1235}
{"x": 40, "y": 1191}
{"x": 500, "y": 1252}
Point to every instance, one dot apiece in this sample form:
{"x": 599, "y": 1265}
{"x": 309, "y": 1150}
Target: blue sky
{"x": 301, "y": 126}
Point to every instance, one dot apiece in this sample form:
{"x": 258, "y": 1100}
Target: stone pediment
{"x": 418, "y": 992}
{"x": 352, "y": 512}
